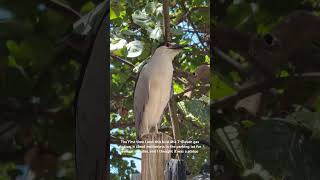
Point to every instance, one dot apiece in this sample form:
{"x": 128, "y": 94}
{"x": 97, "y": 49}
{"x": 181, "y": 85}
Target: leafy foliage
{"x": 136, "y": 31}
{"x": 38, "y": 71}
{"x": 280, "y": 138}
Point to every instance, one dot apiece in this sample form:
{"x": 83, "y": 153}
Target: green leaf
{"x": 156, "y": 33}
{"x": 134, "y": 48}
{"x": 151, "y": 7}
{"x": 228, "y": 137}
{"x": 12, "y": 46}
{"x": 117, "y": 43}
{"x": 284, "y": 73}
{"x": 184, "y": 42}
{"x": 247, "y": 123}
{"x": 207, "y": 59}
{"x": 220, "y": 89}
{"x": 237, "y": 14}
{"x": 142, "y": 19}
{"x": 159, "y": 10}
{"x": 281, "y": 148}
{"x": 177, "y": 31}
{"x": 308, "y": 120}
{"x": 12, "y": 62}
{"x": 128, "y": 32}
{"x": 235, "y": 76}
{"x": 195, "y": 109}
{"x": 87, "y": 7}
{"x": 113, "y": 15}
{"x": 177, "y": 88}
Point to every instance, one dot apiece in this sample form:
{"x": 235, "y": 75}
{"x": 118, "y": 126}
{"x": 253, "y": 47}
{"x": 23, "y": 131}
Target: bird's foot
{"x": 144, "y": 134}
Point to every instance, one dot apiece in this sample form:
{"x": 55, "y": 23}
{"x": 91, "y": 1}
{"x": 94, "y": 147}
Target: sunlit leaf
{"x": 117, "y": 44}
{"x": 113, "y": 15}
{"x": 142, "y": 19}
{"x": 156, "y": 33}
{"x": 151, "y": 7}
{"x": 134, "y": 48}
{"x": 177, "y": 88}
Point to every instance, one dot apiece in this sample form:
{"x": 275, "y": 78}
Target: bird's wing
{"x": 141, "y": 96}
{"x": 166, "y": 109}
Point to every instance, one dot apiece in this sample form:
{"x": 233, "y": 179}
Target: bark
{"x": 153, "y": 164}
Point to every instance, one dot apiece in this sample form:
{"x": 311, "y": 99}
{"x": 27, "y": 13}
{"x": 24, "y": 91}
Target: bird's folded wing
{"x": 141, "y": 96}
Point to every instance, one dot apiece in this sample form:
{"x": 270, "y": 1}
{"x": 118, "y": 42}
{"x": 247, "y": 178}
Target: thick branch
{"x": 166, "y": 18}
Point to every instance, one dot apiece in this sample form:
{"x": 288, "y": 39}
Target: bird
{"x": 153, "y": 88}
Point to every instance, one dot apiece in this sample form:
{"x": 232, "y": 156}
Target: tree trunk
{"x": 136, "y": 176}
{"x": 153, "y": 163}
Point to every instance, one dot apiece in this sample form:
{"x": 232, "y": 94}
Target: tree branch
{"x": 192, "y": 25}
{"x": 258, "y": 87}
{"x": 189, "y": 89}
{"x": 121, "y": 124}
{"x": 64, "y": 7}
{"x": 166, "y": 18}
{"x": 124, "y": 156}
{"x": 186, "y": 14}
{"x": 174, "y": 120}
{"x": 230, "y": 61}
{"x": 122, "y": 60}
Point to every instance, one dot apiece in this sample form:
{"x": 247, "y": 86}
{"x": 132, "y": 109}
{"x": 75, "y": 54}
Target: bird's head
{"x": 170, "y": 49}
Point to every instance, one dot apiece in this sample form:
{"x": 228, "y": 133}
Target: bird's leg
{"x": 143, "y": 134}
{"x": 156, "y": 129}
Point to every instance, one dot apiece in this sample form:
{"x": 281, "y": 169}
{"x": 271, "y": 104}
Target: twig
{"x": 193, "y": 26}
{"x": 66, "y": 8}
{"x": 122, "y": 60}
{"x": 196, "y": 32}
{"x": 186, "y": 14}
{"x": 230, "y": 61}
{"x": 190, "y": 89}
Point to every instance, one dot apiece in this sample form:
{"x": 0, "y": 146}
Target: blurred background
{"x": 40, "y": 55}
{"x": 265, "y": 90}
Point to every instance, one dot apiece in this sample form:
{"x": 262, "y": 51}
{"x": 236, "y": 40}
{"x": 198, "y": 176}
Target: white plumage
{"x": 152, "y": 92}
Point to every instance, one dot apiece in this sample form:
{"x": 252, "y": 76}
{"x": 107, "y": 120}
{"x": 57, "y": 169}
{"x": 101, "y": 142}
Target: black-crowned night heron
{"x": 152, "y": 91}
